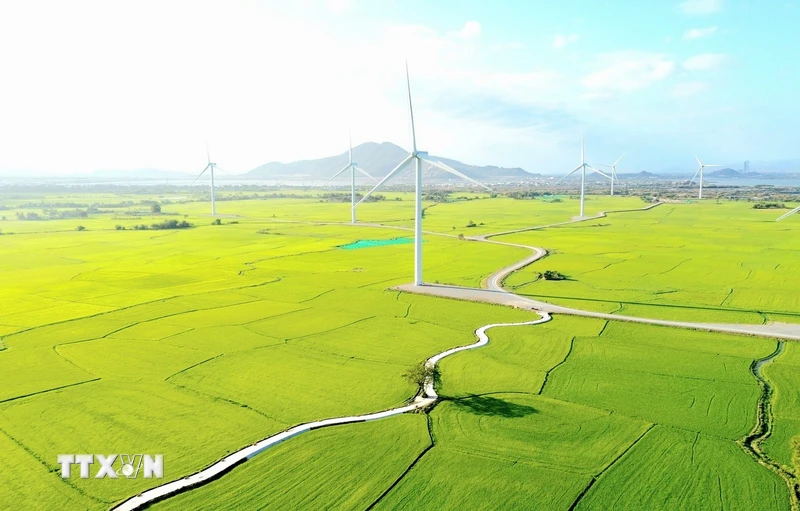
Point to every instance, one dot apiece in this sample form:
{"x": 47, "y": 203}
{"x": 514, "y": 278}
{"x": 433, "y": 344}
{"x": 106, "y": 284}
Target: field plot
{"x": 713, "y": 262}
{"x": 673, "y": 469}
{"x": 196, "y": 342}
{"x": 533, "y": 406}
{"x": 784, "y": 374}
{"x": 344, "y": 467}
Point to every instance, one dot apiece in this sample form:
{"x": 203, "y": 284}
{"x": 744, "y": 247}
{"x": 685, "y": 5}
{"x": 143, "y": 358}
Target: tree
{"x": 80, "y": 228}
{"x": 419, "y": 374}
{"x": 155, "y": 209}
{"x": 217, "y": 222}
{"x": 553, "y": 275}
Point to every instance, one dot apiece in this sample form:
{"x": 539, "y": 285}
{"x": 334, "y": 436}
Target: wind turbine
{"x": 353, "y": 166}
{"x": 211, "y": 165}
{"x": 613, "y": 168}
{"x": 790, "y": 213}
{"x": 700, "y": 171}
{"x": 418, "y": 157}
{"x": 582, "y": 167}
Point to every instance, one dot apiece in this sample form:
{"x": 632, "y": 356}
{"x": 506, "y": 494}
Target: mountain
{"x": 378, "y": 160}
{"x": 728, "y": 173}
{"x": 639, "y": 175}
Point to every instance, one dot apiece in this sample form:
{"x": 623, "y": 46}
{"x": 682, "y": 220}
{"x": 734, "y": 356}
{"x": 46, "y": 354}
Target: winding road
{"x": 492, "y": 292}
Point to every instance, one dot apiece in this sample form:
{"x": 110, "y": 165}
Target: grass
{"x": 784, "y": 374}
{"x": 196, "y": 342}
{"x": 299, "y": 474}
{"x": 715, "y": 262}
{"x": 673, "y": 469}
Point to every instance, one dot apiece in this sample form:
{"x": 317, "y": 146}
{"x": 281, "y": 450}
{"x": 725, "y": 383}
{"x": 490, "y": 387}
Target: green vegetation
{"x": 196, "y": 342}
{"x": 716, "y": 262}
{"x": 346, "y": 467}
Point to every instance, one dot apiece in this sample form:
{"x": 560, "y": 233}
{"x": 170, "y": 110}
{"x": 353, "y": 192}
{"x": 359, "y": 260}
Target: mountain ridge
{"x": 376, "y": 158}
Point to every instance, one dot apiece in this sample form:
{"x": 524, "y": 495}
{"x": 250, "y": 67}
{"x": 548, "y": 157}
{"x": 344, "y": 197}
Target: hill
{"x": 378, "y": 160}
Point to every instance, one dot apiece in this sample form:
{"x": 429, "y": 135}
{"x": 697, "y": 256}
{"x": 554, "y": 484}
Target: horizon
{"x": 700, "y": 76}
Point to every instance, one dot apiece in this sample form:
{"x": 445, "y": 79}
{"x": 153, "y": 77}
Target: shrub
{"x": 769, "y": 205}
{"x": 472, "y": 224}
{"x": 80, "y": 228}
{"x": 171, "y": 224}
{"x": 155, "y": 209}
{"x": 119, "y": 227}
{"x": 217, "y": 222}
{"x": 553, "y": 275}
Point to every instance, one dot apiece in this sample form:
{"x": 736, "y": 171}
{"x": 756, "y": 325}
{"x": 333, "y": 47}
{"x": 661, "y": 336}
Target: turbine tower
{"x": 790, "y": 213}
{"x": 418, "y": 157}
{"x": 700, "y": 171}
{"x": 353, "y": 166}
{"x": 613, "y": 168}
{"x": 582, "y": 167}
{"x": 211, "y": 166}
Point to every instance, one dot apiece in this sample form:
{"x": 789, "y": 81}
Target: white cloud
{"x": 339, "y": 6}
{"x": 470, "y": 30}
{"x": 697, "y": 33}
{"x": 561, "y": 40}
{"x": 686, "y": 89}
{"x": 704, "y": 62}
{"x": 628, "y": 71}
{"x": 696, "y": 7}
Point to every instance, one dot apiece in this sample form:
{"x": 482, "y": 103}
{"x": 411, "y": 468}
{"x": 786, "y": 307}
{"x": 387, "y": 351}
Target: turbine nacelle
{"x": 419, "y": 154}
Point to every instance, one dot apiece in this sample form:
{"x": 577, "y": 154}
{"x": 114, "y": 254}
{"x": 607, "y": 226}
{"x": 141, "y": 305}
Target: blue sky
{"x": 94, "y": 85}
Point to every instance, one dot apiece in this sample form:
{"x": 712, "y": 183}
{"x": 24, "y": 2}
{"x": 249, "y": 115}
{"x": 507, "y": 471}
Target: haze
{"x": 102, "y": 85}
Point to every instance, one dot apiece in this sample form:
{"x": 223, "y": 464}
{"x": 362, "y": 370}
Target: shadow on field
{"x": 487, "y": 405}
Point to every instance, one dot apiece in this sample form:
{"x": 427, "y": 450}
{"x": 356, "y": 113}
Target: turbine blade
{"x": 388, "y": 176}
{"x": 448, "y": 168}
{"x": 200, "y": 174}
{"x": 618, "y": 160}
{"x": 710, "y": 165}
{"x": 576, "y": 169}
{"x": 411, "y": 112}
{"x": 350, "y": 132}
{"x": 598, "y": 172}
{"x": 337, "y": 174}
{"x": 365, "y": 173}
{"x": 695, "y": 174}
{"x": 698, "y": 159}
{"x": 208, "y": 153}
{"x": 790, "y": 213}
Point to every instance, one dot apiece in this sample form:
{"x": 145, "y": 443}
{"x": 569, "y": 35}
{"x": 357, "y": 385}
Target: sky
{"x": 93, "y": 85}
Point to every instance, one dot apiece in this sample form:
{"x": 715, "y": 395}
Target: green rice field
{"x": 196, "y": 342}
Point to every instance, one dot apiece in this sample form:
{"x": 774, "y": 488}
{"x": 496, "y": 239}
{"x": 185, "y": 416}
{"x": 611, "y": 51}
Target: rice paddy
{"x": 196, "y": 342}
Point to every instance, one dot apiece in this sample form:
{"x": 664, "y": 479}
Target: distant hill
{"x": 378, "y": 160}
{"x": 639, "y": 175}
{"x": 728, "y": 173}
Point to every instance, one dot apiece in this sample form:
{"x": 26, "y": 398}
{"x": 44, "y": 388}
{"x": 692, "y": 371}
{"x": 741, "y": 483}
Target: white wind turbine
{"x": 582, "y": 167}
{"x": 211, "y": 166}
{"x": 613, "y": 168}
{"x": 418, "y": 157}
{"x": 790, "y": 213}
{"x": 353, "y": 166}
{"x": 700, "y": 171}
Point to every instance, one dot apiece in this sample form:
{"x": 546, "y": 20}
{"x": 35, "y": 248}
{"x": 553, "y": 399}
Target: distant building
{"x": 746, "y": 166}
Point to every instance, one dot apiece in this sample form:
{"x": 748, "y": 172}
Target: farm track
{"x": 751, "y": 444}
{"x": 491, "y": 291}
